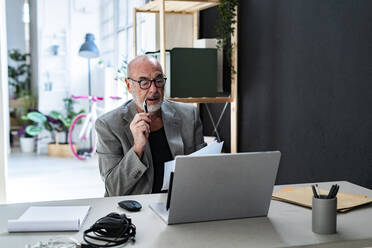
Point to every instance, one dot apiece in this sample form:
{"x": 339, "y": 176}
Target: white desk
{"x": 286, "y": 225}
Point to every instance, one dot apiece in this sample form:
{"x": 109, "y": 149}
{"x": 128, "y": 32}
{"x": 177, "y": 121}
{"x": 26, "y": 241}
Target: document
{"x": 303, "y": 196}
{"x": 212, "y": 148}
{"x": 50, "y": 218}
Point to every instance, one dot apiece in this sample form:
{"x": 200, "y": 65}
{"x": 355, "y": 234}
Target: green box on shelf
{"x": 191, "y": 72}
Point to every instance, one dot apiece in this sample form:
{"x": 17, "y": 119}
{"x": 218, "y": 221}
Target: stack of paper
{"x": 303, "y": 197}
{"x": 50, "y": 218}
{"x": 212, "y": 148}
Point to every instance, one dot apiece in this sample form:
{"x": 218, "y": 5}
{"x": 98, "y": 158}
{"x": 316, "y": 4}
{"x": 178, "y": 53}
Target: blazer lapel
{"x": 129, "y": 111}
{"x": 172, "y": 127}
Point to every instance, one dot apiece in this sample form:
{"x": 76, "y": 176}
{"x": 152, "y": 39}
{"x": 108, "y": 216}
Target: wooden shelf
{"x": 202, "y": 99}
{"x": 193, "y": 7}
{"x": 178, "y": 6}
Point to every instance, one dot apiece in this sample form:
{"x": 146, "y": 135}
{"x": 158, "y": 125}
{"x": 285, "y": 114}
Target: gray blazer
{"x": 121, "y": 170}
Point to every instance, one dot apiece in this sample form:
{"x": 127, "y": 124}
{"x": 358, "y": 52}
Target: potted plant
{"x": 57, "y": 122}
{"x": 225, "y": 30}
{"x": 21, "y": 99}
{"x": 19, "y": 73}
{"x": 31, "y": 128}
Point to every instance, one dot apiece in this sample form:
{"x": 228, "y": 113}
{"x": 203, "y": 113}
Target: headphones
{"x": 109, "y": 231}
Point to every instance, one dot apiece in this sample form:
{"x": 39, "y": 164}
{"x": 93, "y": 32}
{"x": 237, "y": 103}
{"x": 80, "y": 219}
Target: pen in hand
{"x": 145, "y": 106}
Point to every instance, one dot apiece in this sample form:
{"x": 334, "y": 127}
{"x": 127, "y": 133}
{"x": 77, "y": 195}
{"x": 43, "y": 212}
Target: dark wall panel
{"x": 305, "y": 87}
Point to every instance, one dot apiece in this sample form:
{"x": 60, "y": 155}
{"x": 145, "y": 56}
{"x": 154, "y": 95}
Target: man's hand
{"x": 140, "y": 128}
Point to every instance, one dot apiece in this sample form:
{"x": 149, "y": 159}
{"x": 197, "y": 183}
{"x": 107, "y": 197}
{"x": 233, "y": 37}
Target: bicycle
{"x": 82, "y": 136}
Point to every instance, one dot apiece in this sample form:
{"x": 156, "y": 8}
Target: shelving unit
{"x": 192, "y": 7}
{"x": 53, "y": 68}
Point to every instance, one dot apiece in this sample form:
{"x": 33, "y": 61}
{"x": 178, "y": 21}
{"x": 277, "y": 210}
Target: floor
{"x": 34, "y": 177}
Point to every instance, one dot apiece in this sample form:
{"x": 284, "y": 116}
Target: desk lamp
{"x": 89, "y": 50}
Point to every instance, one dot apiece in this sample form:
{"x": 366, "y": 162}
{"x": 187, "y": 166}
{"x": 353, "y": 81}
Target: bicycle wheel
{"x": 82, "y": 137}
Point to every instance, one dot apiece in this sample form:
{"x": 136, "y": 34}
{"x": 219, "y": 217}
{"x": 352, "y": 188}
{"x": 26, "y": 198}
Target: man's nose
{"x": 153, "y": 87}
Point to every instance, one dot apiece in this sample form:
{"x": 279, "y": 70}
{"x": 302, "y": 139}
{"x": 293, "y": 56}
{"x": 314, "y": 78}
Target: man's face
{"x": 144, "y": 70}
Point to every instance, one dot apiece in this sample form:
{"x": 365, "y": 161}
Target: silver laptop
{"x": 217, "y": 187}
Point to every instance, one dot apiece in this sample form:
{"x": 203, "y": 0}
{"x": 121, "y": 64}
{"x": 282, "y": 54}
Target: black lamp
{"x": 89, "y": 50}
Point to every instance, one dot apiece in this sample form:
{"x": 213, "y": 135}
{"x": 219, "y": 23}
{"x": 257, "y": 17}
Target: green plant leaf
{"x": 36, "y": 117}
{"x": 33, "y": 130}
{"x": 64, "y": 121}
{"x": 68, "y": 122}
{"x": 225, "y": 30}
{"x": 47, "y": 126}
{"x": 56, "y": 115}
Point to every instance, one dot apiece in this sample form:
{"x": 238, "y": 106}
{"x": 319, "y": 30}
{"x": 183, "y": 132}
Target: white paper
{"x": 50, "y": 218}
{"x": 168, "y": 168}
{"x": 212, "y": 148}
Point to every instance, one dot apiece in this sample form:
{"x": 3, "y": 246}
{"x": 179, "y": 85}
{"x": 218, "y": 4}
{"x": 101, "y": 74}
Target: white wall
{"x": 4, "y": 114}
{"x": 178, "y": 31}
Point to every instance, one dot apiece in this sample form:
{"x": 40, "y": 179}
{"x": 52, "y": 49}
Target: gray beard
{"x": 151, "y": 108}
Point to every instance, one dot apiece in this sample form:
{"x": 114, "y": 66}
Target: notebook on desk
{"x": 302, "y": 196}
{"x": 50, "y": 218}
{"x": 222, "y": 186}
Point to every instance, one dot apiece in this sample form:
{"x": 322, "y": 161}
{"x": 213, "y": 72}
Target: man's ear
{"x": 128, "y": 85}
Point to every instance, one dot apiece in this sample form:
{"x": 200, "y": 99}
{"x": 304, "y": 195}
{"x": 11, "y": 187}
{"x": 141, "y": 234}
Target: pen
{"x": 317, "y": 190}
{"x": 145, "y": 106}
{"x": 314, "y": 191}
{"x": 330, "y": 193}
{"x": 335, "y": 191}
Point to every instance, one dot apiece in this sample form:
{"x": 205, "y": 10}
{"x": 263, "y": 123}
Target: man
{"x": 133, "y": 145}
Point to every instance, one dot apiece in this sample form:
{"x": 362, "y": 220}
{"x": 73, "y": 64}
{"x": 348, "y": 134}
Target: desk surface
{"x": 286, "y": 224}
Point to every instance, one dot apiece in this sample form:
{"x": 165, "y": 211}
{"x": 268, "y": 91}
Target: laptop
{"x": 219, "y": 187}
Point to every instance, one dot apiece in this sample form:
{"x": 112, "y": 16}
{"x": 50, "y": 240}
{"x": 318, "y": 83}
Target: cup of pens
{"x": 324, "y": 211}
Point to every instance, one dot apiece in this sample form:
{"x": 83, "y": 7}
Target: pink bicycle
{"x": 82, "y": 136}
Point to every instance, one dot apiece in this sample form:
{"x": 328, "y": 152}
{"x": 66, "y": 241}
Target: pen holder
{"x": 324, "y": 215}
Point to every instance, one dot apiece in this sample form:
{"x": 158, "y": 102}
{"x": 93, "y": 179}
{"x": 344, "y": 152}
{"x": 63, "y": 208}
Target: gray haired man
{"x": 133, "y": 144}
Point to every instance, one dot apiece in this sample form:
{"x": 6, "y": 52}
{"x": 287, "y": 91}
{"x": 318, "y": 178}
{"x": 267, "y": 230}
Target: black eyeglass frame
{"x": 151, "y": 81}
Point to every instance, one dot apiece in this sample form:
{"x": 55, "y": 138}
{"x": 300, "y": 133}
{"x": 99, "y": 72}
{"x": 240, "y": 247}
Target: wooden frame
{"x": 193, "y": 7}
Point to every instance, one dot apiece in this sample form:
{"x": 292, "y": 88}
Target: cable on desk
{"x": 109, "y": 231}
{"x": 56, "y": 242}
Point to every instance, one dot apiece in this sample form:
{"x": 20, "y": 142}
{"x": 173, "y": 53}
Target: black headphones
{"x": 109, "y": 231}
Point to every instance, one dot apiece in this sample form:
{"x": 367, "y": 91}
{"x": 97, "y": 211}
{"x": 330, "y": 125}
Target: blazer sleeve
{"x": 120, "y": 172}
{"x": 198, "y": 133}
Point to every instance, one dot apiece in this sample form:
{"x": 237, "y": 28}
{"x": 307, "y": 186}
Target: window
{"x": 117, "y": 32}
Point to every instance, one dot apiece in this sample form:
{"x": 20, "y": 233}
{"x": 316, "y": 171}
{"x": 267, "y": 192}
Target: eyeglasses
{"x": 146, "y": 83}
